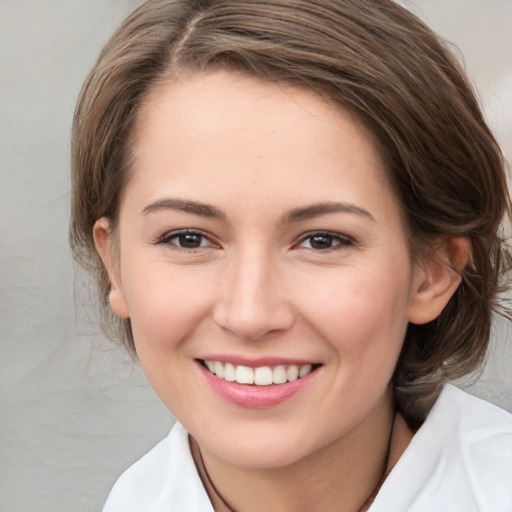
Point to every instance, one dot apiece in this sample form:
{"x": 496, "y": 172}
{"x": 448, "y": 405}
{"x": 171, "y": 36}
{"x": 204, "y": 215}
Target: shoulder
{"x": 468, "y": 410}
{"x": 460, "y": 459}
{"x": 473, "y": 425}
{"x": 163, "y": 479}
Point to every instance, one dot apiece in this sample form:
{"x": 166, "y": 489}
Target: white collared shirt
{"x": 460, "y": 460}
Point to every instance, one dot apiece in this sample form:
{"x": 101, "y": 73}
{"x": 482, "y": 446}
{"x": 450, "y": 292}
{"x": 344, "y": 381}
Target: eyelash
{"x": 168, "y": 238}
{"x": 340, "y": 241}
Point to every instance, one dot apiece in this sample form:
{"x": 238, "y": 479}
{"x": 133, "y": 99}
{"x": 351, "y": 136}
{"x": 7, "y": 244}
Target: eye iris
{"x": 189, "y": 240}
{"x": 321, "y": 242}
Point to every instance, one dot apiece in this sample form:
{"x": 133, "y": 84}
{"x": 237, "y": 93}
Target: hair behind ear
{"x": 437, "y": 278}
{"x": 454, "y": 342}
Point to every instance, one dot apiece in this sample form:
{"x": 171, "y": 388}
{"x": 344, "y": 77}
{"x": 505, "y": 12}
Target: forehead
{"x": 224, "y": 132}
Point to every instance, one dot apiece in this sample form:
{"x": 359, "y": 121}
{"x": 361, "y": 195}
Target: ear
{"x": 437, "y": 279}
{"x": 104, "y": 245}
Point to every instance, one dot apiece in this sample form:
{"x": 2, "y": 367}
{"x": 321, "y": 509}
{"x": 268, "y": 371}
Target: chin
{"x": 260, "y": 456}
{"x": 258, "y": 448}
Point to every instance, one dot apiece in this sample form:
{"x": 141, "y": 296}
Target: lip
{"x": 251, "y": 396}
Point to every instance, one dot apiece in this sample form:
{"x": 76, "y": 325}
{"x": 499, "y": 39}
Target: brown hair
{"x": 370, "y": 56}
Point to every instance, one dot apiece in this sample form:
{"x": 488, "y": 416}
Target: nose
{"x": 253, "y": 302}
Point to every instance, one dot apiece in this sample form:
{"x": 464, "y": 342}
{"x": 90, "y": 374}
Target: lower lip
{"x": 256, "y": 397}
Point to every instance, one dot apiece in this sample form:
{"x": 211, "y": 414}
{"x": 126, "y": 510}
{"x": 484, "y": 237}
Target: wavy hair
{"x": 372, "y": 57}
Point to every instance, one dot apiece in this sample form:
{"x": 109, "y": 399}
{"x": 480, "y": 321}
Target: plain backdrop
{"x": 75, "y": 411}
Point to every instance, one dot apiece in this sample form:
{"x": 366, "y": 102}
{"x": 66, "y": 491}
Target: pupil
{"x": 189, "y": 241}
{"x": 321, "y": 242}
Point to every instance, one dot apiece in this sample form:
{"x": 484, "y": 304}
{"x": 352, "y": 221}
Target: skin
{"x": 258, "y": 285}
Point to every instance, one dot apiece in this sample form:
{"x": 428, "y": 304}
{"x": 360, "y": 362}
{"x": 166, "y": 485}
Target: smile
{"x": 258, "y": 384}
{"x": 259, "y": 376}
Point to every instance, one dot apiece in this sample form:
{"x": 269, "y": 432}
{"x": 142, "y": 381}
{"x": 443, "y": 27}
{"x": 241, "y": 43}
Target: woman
{"x": 293, "y": 211}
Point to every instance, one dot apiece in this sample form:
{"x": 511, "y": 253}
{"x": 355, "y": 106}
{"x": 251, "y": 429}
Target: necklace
{"x": 207, "y": 481}
{"x": 224, "y": 505}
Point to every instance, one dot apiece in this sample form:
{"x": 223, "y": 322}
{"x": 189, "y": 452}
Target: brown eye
{"x": 186, "y": 239}
{"x": 325, "y": 241}
{"x": 189, "y": 240}
{"x": 321, "y": 242}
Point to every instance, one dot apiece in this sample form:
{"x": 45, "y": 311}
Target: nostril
{"x": 253, "y": 322}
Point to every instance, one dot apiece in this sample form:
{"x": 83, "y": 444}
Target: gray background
{"x": 74, "y": 410}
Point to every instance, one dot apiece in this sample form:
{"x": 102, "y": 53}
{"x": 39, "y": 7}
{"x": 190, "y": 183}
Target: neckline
{"x": 219, "y": 504}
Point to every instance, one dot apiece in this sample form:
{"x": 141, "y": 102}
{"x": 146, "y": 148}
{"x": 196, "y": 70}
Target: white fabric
{"x": 164, "y": 480}
{"x": 459, "y": 461}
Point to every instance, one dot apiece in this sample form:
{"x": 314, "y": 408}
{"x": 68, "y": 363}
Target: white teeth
{"x": 292, "y": 373}
{"x": 279, "y": 375}
{"x": 219, "y": 369}
{"x": 244, "y": 375}
{"x": 229, "y": 372}
{"x": 261, "y": 376}
{"x": 304, "y": 370}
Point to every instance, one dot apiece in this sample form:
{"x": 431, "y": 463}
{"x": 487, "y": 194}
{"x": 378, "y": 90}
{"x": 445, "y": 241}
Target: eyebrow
{"x": 319, "y": 209}
{"x": 294, "y": 215}
{"x": 201, "y": 209}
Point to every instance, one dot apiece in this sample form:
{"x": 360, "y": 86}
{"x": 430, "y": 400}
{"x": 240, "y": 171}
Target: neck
{"x": 348, "y": 471}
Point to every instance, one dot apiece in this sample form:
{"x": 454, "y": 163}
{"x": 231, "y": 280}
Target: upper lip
{"x": 257, "y": 362}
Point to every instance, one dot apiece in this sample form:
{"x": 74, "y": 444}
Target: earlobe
{"x": 103, "y": 241}
{"x": 437, "y": 280}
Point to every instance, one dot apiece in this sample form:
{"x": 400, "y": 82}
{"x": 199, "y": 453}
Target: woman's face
{"x": 259, "y": 233}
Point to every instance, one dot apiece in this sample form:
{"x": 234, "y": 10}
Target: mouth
{"x": 259, "y": 384}
{"x": 258, "y": 376}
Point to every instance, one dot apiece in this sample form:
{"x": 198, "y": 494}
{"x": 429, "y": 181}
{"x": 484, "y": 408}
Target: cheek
{"x": 360, "y": 309}
{"x": 165, "y": 305}
{"x": 167, "y": 309}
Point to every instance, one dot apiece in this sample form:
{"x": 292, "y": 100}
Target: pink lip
{"x": 255, "y": 397}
